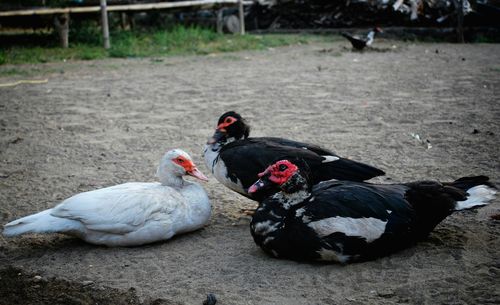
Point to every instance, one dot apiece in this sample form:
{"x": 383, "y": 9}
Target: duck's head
{"x": 282, "y": 176}
{"x": 177, "y": 163}
{"x": 231, "y": 126}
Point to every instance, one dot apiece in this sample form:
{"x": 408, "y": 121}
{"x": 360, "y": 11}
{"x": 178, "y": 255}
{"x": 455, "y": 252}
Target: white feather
{"x": 265, "y": 227}
{"x": 329, "y": 159}
{"x": 42, "y": 222}
{"x": 219, "y": 169}
{"x": 368, "y": 228}
{"x": 478, "y": 195}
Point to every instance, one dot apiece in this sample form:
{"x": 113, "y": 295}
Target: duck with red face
{"x": 235, "y": 159}
{"x": 129, "y": 214}
{"x": 344, "y": 221}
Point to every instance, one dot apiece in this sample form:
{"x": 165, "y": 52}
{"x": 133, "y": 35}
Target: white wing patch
{"x": 368, "y": 228}
{"x": 329, "y": 159}
{"x": 265, "y": 227}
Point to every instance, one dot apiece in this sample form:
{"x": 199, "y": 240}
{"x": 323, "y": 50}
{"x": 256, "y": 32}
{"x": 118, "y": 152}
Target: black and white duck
{"x": 345, "y": 221}
{"x": 235, "y": 159}
{"x": 358, "y": 42}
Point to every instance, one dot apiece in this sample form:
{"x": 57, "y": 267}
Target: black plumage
{"x": 359, "y": 43}
{"x": 244, "y": 157}
{"x": 346, "y": 221}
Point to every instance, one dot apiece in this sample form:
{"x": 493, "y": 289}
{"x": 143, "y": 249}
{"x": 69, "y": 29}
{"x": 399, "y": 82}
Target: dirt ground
{"x": 95, "y": 124}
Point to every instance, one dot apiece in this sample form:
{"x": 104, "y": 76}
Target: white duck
{"x": 129, "y": 214}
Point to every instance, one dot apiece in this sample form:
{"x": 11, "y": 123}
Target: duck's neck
{"x": 289, "y": 200}
{"x": 168, "y": 179}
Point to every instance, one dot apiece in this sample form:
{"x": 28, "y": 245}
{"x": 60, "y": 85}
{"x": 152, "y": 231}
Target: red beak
{"x": 259, "y": 184}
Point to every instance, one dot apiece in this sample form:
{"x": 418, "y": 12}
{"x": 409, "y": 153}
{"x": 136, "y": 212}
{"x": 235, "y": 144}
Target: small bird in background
{"x": 359, "y": 43}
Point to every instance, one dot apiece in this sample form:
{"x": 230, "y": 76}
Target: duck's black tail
{"x": 434, "y": 201}
{"x": 345, "y": 169}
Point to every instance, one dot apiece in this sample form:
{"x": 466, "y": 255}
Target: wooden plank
{"x": 112, "y": 8}
{"x": 165, "y": 5}
{"x": 50, "y": 11}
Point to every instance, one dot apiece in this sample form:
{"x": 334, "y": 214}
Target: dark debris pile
{"x": 289, "y": 14}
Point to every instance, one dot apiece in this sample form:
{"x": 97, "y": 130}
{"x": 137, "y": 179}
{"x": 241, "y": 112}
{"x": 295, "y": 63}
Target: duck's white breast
{"x": 219, "y": 170}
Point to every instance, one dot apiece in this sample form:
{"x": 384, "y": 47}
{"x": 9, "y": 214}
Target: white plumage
{"x": 218, "y": 168}
{"x": 477, "y": 196}
{"x": 129, "y": 214}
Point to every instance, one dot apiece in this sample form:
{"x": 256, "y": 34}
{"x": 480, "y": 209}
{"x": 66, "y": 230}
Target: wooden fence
{"x": 61, "y": 20}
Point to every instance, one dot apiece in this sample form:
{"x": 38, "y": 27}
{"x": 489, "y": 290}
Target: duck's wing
{"x": 296, "y": 144}
{"x": 361, "y": 210}
{"x": 122, "y": 208}
{"x": 358, "y": 199}
{"x": 245, "y": 159}
{"x": 353, "y": 220}
{"x": 341, "y": 169}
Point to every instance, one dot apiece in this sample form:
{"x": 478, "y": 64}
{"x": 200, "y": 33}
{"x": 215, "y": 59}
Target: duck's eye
{"x": 180, "y": 160}
{"x": 228, "y": 120}
{"x": 282, "y": 167}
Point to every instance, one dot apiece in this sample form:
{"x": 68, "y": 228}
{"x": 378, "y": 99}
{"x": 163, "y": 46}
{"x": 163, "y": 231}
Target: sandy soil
{"x": 95, "y": 124}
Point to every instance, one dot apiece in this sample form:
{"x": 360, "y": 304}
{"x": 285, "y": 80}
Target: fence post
{"x": 220, "y": 20}
{"x": 104, "y": 24}
{"x": 459, "y": 6}
{"x": 241, "y": 16}
{"x": 61, "y": 23}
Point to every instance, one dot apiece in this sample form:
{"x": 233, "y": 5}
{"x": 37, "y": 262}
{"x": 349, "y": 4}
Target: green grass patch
{"x": 21, "y": 55}
{"x": 14, "y": 72}
{"x": 485, "y": 39}
{"x": 27, "y": 71}
{"x": 86, "y": 44}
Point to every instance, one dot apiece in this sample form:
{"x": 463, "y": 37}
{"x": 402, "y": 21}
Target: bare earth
{"x": 95, "y": 124}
